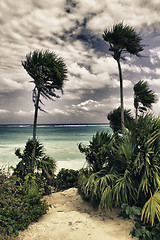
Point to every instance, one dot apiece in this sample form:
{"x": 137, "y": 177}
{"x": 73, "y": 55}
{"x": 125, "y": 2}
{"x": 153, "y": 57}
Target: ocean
{"x": 60, "y": 142}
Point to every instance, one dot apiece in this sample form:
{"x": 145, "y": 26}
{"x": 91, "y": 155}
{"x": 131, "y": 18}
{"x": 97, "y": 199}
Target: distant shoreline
{"x": 55, "y": 124}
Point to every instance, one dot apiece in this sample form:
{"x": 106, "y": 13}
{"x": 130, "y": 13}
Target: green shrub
{"x": 44, "y": 167}
{"x": 114, "y": 118}
{"x": 133, "y": 212}
{"x": 146, "y": 232}
{"x": 141, "y": 230}
{"x": 66, "y": 178}
{"x": 42, "y": 163}
{"x": 19, "y": 205}
{"x": 98, "y": 151}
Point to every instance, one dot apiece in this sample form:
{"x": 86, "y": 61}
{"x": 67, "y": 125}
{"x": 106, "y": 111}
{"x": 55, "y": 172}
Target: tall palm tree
{"x": 122, "y": 39}
{"x": 143, "y": 95}
{"x": 48, "y": 72}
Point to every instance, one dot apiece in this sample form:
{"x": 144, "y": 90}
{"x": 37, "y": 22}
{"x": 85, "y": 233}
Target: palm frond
{"x": 143, "y": 95}
{"x": 48, "y": 72}
{"x": 123, "y": 38}
{"x": 124, "y": 190}
{"x": 151, "y": 209}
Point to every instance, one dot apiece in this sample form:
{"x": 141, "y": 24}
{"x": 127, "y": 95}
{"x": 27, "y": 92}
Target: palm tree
{"x": 143, "y": 95}
{"x": 122, "y": 39}
{"x": 48, "y": 72}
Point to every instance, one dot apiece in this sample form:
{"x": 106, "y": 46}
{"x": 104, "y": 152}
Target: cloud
{"x": 131, "y": 67}
{"x": 89, "y": 107}
{"x": 82, "y": 78}
{"x": 73, "y": 29}
{"x": 154, "y": 83}
{"x": 58, "y": 112}
{"x": 2, "y": 111}
{"x": 136, "y": 13}
{"x": 104, "y": 64}
{"x": 9, "y": 85}
{"x": 23, "y": 113}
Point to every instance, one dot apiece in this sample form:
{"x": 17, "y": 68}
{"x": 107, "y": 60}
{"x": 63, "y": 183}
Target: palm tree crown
{"x": 123, "y": 39}
{"x": 48, "y": 72}
{"x": 143, "y": 95}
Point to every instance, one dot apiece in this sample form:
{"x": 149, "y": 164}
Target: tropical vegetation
{"x": 96, "y": 152}
{"x": 20, "y": 203}
{"x": 144, "y": 97}
{"x": 66, "y": 178}
{"x": 44, "y": 166}
{"x": 48, "y": 72}
{"x": 114, "y": 118}
{"x": 130, "y": 173}
{"x": 122, "y": 39}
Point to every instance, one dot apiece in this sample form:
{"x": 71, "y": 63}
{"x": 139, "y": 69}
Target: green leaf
{"x": 151, "y": 209}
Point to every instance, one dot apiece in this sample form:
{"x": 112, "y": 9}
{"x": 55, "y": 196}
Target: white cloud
{"x": 88, "y": 107}
{"x": 84, "y": 79}
{"x": 8, "y": 85}
{"x": 157, "y": 71}
{"x": 127, "y": 83}
{"x": 104, "y": 64}
{"x": 136, "y": 13}
{"x": 23, "y": 113}
{"x": 2, "y": 111}
{"x": 155, "y": 82}
{"x": 155, "y": 53}
{"x": 131, "y": 68}
{"x": 58, "y": 111}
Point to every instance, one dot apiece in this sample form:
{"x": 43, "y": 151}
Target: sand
{"x": 70, "y": 218}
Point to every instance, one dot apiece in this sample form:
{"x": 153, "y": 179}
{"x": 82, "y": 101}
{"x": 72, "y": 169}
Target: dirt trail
{"x": 70, "y": 218}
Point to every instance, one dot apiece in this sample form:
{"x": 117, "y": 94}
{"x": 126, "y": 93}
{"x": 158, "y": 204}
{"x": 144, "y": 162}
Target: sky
{"x": 73, "y": 29}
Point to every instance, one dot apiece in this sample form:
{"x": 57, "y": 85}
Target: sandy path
{"x": 70, "y": 218}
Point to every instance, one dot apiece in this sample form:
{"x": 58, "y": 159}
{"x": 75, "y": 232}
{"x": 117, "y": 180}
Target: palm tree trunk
{"x": 34, "y": 131}
{"x": 121, "y": 96}
{"x": 136, "y": 109}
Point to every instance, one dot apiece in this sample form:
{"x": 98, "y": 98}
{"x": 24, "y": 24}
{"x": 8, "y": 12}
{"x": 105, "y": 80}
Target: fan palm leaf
{"x": 124, "y": 190}
{"x": 143, "y": 95}
{"x": 151, "y": 209}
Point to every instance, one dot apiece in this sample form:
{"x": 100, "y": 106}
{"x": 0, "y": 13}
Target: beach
{"x": 70, "y": 218}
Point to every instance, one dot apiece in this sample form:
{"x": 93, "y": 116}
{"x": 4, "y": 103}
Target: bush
{"x": 19, "y": 205}
{"x": 131, "y": 212}
{"x": 42, "y": 163}
{"x": 98, "y": 151}
{"x": 146, "y": 232}
{"x": 44, "y": 166}
{"x": 66, "y": 178}
{"x": 114, "y": 118}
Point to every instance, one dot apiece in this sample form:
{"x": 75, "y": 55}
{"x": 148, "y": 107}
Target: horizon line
{"x": 53, "y": 124}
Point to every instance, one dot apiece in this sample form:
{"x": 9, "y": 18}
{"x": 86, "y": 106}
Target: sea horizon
{"x": 53, "y": 124}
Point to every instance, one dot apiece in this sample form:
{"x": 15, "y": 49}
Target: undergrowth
{"x": 20, "y": 204}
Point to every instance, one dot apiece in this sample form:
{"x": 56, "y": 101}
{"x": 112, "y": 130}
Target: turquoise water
{"x": 60, "y": 142}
